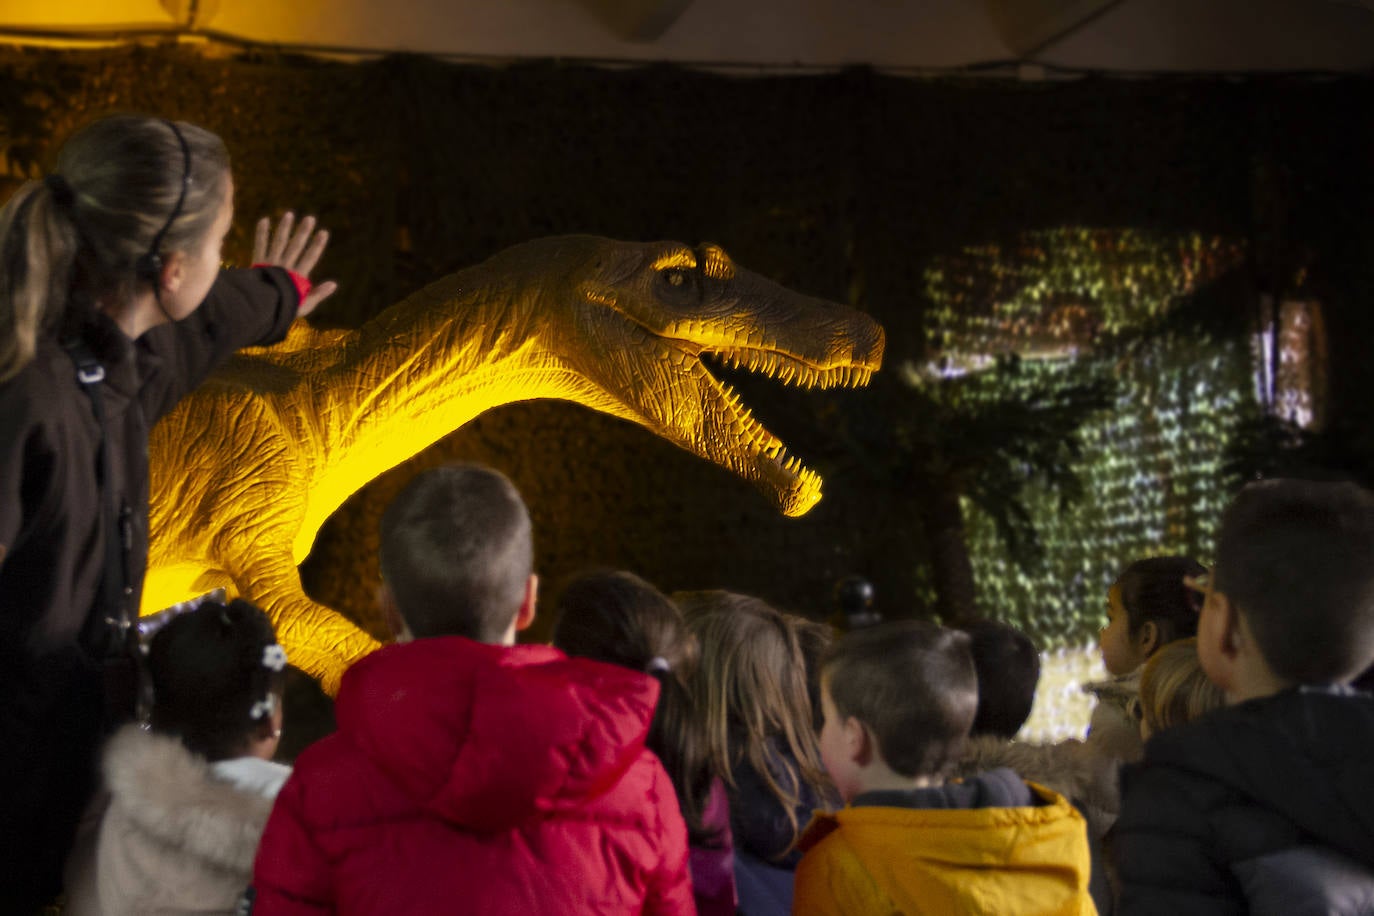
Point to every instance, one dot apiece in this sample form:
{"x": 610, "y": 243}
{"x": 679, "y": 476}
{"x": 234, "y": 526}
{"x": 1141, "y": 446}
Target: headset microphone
{"x": 149, "y": 266}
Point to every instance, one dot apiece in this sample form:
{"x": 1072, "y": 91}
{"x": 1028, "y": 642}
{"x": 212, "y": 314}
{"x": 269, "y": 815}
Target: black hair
{"x": 214, "y": 683}
{"x": 1296, "y": 558}
{"x": 1008, "y": 668}
{"x": 1152, "y": 591}
{"x": 913, "y": 685}
{"x": 617, "y": 617}
{"x": 457, "y": 551}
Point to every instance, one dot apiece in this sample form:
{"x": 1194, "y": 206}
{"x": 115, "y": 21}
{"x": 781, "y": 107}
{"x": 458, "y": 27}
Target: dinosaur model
{"x": 248, "y": 468}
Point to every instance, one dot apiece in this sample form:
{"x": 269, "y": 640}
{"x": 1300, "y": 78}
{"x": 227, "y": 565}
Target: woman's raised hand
{"x": 298, "y": 249}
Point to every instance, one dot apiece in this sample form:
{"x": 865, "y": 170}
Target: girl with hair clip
{"x": 617, "y": 617}
{"x": 113, "y": 306}
{"x": 1147, "y": 607}
{"x": 751, "y": 689}
{"x": 189, "y": 799}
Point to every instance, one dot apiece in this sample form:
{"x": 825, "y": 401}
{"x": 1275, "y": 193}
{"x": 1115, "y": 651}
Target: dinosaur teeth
{"x": 789, "y": 372}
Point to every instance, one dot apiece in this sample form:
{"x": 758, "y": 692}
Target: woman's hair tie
{"x": 61, "y": 190}
{"x": 658, "y": 663}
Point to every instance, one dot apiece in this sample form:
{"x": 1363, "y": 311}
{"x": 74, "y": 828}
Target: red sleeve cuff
{"x": 302, "y": 284}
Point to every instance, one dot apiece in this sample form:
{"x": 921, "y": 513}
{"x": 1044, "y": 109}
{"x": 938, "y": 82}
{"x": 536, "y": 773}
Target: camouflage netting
{"x": 858, "y": 187}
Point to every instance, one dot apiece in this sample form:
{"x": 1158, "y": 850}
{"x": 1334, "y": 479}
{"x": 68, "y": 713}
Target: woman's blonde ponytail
{"x": 38, "y": 248}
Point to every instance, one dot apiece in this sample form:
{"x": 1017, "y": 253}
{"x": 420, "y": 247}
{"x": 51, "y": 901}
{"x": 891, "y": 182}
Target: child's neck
{"x": 884, "y": 779}
{"x": 1250, "y": 674}
{"x": 1253, "y": 681}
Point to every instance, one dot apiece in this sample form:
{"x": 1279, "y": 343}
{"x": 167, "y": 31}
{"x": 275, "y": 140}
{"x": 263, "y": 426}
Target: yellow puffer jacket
{"x": 1008, "y": 861}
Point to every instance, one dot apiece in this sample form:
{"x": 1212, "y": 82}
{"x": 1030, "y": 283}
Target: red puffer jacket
{"x": 479, "y": 779}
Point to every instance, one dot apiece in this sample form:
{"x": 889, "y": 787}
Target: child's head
{"x": 457, "y": 556}
{"x": 1148, "y": 606}
{"x": 1292, "y": 594}
{"x": 218, "y": 676}
{"x": 1174, "y": 689}
{"x": 750, "y": 691}
{"x": 1008, "y": 670}
{"x": 899, "y": 697}
{"x": 617, "y": 617}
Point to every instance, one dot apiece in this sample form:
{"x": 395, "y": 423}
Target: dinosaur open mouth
{"x": 799, "y": 487}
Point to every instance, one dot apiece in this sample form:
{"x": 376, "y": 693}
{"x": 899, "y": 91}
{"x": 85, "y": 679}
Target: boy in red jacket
{"x": 469, "y": 774}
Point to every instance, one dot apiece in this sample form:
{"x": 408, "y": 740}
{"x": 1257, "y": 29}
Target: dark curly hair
{"x": 209, "y": 677}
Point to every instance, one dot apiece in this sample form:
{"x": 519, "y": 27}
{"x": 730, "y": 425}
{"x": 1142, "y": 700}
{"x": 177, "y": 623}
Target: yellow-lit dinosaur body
{"x": 247, "y": 469}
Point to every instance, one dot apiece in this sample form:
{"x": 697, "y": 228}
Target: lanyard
{"x": 108, "y": 628}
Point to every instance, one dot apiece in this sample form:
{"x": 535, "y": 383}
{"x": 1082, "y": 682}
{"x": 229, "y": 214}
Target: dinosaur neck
{"x": 414, "y": 374}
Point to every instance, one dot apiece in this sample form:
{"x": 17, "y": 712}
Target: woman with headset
{"x": 113, "y": 306}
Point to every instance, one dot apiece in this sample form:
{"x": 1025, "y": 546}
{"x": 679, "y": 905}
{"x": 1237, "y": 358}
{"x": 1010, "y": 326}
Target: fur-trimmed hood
{"x": 167, "y": 792}
{"x": 1070, "y": 768}
{"x": 174, "y": 836}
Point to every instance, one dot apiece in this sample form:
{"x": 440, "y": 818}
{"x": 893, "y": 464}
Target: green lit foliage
{"x": 999, "y": 435}
{"x": 1080, "y": 307}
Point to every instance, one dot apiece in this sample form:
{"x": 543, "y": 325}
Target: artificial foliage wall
{"x": 1150, "y": 473}
{"x": 922, "y": 201}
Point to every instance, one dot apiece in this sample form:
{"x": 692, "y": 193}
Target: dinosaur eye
{"x": 675, "y": 276}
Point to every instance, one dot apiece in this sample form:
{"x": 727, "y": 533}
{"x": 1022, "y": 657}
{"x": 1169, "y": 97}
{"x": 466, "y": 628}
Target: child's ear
{"x": 1219, "y": 641}
{"x": 1148, "y": 640}
{"x": 858, "y": 741}
{"x": 525, "y": 616}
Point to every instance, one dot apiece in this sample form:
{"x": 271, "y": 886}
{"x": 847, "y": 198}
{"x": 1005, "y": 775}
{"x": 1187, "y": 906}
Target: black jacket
{"x": 1262, "y": 807}
{"x": 52, "y": 540}
{"x": 765, "y": 855}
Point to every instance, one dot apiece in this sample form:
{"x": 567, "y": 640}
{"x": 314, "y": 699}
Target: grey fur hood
{"x": 1070, "y": 768}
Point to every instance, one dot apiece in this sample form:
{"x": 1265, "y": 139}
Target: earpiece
{"x": 148, "y": 267}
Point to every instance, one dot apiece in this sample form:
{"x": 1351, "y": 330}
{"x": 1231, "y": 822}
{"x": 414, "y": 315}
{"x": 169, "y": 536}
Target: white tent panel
{"x": 1122, "y": 35}
{"x": 773, "y": 32}
{"x": 1222, "y": 35}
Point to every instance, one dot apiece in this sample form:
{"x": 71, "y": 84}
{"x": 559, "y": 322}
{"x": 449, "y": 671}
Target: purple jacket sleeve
{"x": 670, "y": 888}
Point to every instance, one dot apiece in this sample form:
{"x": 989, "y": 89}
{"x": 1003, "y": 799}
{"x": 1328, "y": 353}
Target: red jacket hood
{"x": 487, "y": 736}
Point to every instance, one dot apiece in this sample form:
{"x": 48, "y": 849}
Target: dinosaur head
{"x": 645, "y": 314}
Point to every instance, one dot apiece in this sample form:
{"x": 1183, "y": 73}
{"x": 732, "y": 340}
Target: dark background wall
{"x": 842, "y": 186}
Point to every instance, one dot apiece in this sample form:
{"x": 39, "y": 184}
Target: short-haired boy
{"x": 899, "y": 700}
{"x": 1267, "y": 805}
{"x": 469, "y": 774}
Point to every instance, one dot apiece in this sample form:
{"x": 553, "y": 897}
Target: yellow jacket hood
{"x": 881, "y": 860}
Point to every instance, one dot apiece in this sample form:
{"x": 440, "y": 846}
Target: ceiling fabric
{"x": 1144, "y": 36}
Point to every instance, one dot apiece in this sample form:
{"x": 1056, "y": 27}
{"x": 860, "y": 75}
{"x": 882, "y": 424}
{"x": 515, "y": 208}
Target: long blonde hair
{"x": 1174, "y": 689}
{"x": 73, "y": 239}
{"x": 750, "y": 689}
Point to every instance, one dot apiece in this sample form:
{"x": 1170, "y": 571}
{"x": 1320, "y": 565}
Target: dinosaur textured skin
{"x": 247, "y": 469}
